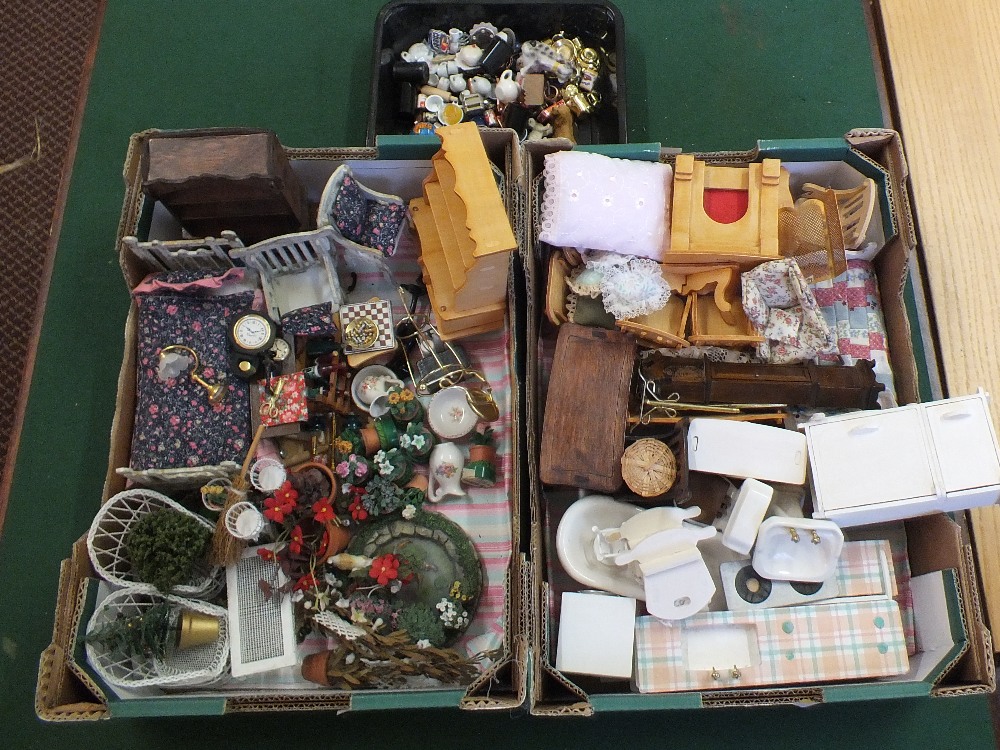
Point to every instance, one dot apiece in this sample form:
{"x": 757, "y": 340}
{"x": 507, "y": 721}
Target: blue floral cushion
{"x": 350, "y": 209}
{"x": 312, "y": 320}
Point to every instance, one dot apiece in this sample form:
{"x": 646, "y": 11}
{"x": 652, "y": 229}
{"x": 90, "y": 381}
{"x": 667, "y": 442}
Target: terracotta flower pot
{"x": 314, "y": 668}
{"x": 371, "y": 440}
{"x": 418, "y": 481}
{"x": 337, "y": 538}
{"x": 482, "y": 453}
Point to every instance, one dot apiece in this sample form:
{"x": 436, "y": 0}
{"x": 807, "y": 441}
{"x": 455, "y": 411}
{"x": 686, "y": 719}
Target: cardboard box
{"x": 954, "y": 655}
{"x": 68, "y": 690}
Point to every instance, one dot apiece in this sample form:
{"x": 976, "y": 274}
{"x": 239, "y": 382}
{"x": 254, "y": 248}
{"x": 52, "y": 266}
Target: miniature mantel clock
{"x": 252, "y": 339}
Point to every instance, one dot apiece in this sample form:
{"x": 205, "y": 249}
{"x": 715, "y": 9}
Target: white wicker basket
{"x": 178, "y": 668}
{"x": 109, "y": 530}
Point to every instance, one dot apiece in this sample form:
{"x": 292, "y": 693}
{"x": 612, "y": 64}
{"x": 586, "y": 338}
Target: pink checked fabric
{"x": 782, "y": 308}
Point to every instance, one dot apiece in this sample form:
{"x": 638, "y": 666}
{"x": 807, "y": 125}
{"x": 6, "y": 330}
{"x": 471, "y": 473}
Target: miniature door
{"x": 726, "y": 214}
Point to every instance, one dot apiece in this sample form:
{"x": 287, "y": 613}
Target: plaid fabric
{"x": 794, "y": 645}
{"x": 852, "y": 307}
{"x": 859, "y": 570}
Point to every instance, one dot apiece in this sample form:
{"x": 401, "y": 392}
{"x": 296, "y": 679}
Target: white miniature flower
{"x": 409, "y": 512}
{"x": 423, "y": 643}
{"x": 342, "y": 603}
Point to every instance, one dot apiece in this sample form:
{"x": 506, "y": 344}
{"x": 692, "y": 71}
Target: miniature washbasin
{"x": 797, "y": 549}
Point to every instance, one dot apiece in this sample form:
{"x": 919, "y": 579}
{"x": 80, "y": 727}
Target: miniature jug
{"x": 482, "y": 86}
{"x": 374, "y": 387}
{"x": 507, "y": 90}
{"x": 444, "y": 479}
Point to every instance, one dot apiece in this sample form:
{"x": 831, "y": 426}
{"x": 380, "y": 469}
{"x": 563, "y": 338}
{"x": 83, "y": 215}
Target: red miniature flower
{"x": 384, "y": 569}
{"x": 274, "y": 510}
{"x": 305, "y": 582}
{"x": 265, "y": 554}
{"x": 322, "y": 510}
{"x": 358, "y": 512}
{"x": 286, "y": 495}
{"x": 295, "y": 543}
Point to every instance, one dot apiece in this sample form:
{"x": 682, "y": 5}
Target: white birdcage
{"x": 109, "y": 531}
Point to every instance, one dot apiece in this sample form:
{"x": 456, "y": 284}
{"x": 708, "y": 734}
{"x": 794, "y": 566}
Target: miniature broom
{"x": 226, "y": 549}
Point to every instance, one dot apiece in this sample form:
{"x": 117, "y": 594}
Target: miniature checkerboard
{"x": 367, "y": 326}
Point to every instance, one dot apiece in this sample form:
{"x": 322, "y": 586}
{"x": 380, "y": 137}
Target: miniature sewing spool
{"x": 649, "y": 467}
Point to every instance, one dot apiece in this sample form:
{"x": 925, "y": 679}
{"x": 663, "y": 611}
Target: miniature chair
{"x": 855, "y": 207}
{"x": 297, "y": 271}
{"x": 361, "y": 217}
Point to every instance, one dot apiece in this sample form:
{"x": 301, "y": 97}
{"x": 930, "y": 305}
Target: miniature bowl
{"x": 450, "y": 415}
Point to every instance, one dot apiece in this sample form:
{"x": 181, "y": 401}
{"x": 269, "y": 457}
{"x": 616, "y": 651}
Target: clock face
{"x": 252, "y": 331}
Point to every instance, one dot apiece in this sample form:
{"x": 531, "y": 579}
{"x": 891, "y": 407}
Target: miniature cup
{"x": 433, "y": 103}
{"x": 507, "y": 90}
{"x": 451, "y": 114}
{"x": 455, "y": 37}
{"x": 457, "y": 82}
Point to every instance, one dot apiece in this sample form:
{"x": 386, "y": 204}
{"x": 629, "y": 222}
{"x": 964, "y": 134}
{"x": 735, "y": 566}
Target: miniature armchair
{"x": 299, "y": 278}
{"x": 360, "y": 217}
{"x": 784, "y": 311}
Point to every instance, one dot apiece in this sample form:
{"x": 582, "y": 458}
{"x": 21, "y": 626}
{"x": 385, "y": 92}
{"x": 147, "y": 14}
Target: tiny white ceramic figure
{"x": 445, "y": 477}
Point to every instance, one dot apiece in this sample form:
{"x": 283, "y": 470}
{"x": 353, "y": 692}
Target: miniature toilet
{"x": 676, "y": 580}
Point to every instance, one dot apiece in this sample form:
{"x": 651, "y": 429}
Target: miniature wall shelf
{"x": 466, "y": 239}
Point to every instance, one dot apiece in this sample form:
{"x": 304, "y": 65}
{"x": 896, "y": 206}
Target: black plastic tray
{"x": 403, "y": 22}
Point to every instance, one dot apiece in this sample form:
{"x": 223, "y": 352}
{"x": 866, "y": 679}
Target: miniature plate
{"x": 450, "y": 414}
{"x": 444, "y": 559}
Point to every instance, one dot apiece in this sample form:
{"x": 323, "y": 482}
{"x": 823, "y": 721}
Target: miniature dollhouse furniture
{"x": 939, "y": 456}
{"x": 215, "y": 179}
{"x": 297, "y": 271}
{"x": 715, "y": 312}
{"x": 726, "y": 214}
{"x": 466, "y": 239}
{"x": 206, "y": 253}
{"x": 855, "y": 208}
{"x": 364, "y": 218}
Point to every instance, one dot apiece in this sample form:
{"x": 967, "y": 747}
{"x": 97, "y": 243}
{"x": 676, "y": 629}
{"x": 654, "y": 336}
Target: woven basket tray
{"x": 649, "y": 467}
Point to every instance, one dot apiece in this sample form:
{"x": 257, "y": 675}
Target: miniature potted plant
{"x": 354, "y": 469}
{"x": 418, "y": 441}
{"x": 480, "y": 470}
{"x": 148, "y": 634}
{"x": 395, "y": 465}
{"x": 381, "y": 496}
{"x": 382, "y": 434}
{"x": 403, "y": 405}
{"x": 164, "y": 547}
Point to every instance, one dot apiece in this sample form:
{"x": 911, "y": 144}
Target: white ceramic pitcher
{"x": 444, "y": 478}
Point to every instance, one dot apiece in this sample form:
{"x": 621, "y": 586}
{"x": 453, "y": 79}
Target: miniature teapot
{"x": 418, "y": 52}
{"x": 507, "y": 90}
{"x": 469, "y": 56}
{"x": 444, "y": 479}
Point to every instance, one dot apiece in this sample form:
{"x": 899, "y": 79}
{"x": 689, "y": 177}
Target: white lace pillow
{"x": 596, "y": 202}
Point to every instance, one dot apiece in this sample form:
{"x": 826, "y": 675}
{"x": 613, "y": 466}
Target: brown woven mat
{"x": 49, "y": 48}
